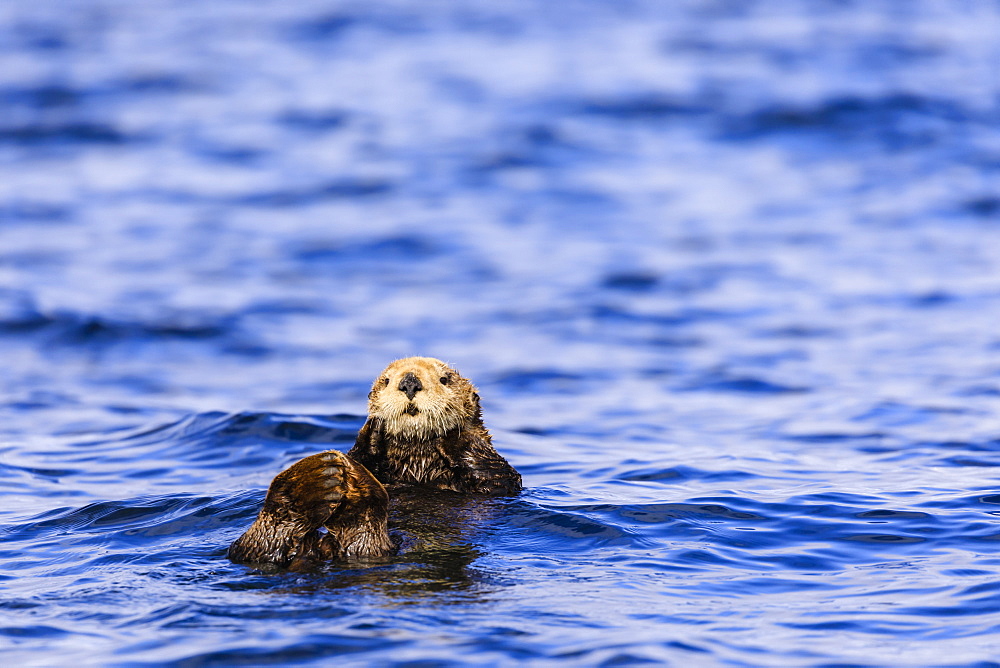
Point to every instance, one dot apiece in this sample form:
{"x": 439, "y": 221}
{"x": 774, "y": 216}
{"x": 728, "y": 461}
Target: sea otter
{"x": 424, "y": 431}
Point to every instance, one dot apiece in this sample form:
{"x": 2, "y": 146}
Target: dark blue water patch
{"x": 33, "y": 211}
{"x": 88, "y": 330}
{"x": 884, "y": 54}
{"x": 268, "y": 307}
{"x": 533, "y": 146}
{"x": 616, "y": 314}
{"x": 552, "y": 381}
{"x": 314, "y": 122}
{"x": 864, "y": 439}
{"x": 74, "y": 106}
{"x": 979, "y": 391}
{"x": 342, "y": 188}
{"x": 647, "y": 106}
{"x": 987, "y": 206}
{"x": 319, "y": 393}
{"x": 212, "y": 444}
{"x": 884, "y": 538}
{"x": 885, "y": 514}
{"x": 678, "y": 474}
{"x": 43, "y": 39}
{"x": 895, "y": 414}
{"x": 824, "y": 531}
{"x": 589, "y": 206}
{"x": 51, "y": 473}
{"x": 631, "y": 282}
{"x": 33, "y": 632}
{"x": 798, "y": 331}
{"x": 685, "y": 535}
{"x": 375, "y": 251}
{"x": 41, "y": 97}
{"x": 34, "y": 260}
{"x": 63, "y": 333}
{"x": 40, "y": 400}
{"x": 655, "y": 475}
{"x": 896, "y": 121}
{"x": 19, "y": 311}
{"x": 659, "y": 513}
{"x": 126, "y": 518}
{"x": 929, "y": 299}
{"x": 234, "y": 155}
{"x": 310, "y": 648}
{"x": 67, "y": 332}
{"x": 855, "y": 626}
{"x": 66, "y": 134}
{"x": 969, "y": 461}
{"x": 980, "y": 605}
{"x": 563, "y": 531}
{"x": 327, "y": 29}
{"x": 658, "y": 341}
{"x": 503, "y": 161}
{"x": 324, "y": 28}
{"x": 688, "y": 282}
{"x": 933, "y": 299}
{"x": 157, "y": 84}
{"x": 723, "y": 382}
{"x": 140, "y": 385}
{"x": 269, "y": 426}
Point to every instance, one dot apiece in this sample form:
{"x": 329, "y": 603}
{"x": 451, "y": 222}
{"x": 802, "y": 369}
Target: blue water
{"x": 727, "y": 275}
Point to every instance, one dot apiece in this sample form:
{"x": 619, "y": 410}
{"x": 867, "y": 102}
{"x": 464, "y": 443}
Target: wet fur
{"x": 431, "y": 437}
{"x": 444, "y": 445}
{"x": 324, "y": 490}
{"x": 460, "y": 460}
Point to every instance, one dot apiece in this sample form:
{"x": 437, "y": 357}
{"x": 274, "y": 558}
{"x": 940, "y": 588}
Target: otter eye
{"x": 385, "y": 381}
{"x": 445, "y": 380}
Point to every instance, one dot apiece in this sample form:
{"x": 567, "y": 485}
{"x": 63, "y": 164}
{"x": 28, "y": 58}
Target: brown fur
{"x": 327, "y": 489}
{"x": 424, "y": 429}
{"x": 443, "y": 445}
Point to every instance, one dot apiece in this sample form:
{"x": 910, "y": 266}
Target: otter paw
{"x": 310, "y": 490}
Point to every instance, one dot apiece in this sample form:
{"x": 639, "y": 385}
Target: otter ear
{"x": 383, "y": 381}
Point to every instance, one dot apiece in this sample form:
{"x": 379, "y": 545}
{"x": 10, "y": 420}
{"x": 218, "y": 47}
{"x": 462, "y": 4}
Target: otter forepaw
{"x": 309, "y": 490}
{"x": 329, "y": 489}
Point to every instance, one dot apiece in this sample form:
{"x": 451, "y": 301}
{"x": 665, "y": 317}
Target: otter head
{"x": 422, "y": 397}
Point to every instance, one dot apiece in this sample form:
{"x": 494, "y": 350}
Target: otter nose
{"x": 410, "y": 385}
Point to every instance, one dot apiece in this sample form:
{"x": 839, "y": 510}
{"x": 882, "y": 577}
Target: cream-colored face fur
{"x": 421, "y": 397}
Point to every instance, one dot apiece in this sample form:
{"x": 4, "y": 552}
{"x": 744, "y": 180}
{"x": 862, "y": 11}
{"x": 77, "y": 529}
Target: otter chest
{"x": 428, "y": 465}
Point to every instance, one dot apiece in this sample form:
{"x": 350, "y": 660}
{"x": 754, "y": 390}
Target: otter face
{"x": 422, "y": 397}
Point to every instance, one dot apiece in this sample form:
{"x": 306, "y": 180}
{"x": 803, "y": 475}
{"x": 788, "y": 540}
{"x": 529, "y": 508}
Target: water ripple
{"x": 725, "y": 275}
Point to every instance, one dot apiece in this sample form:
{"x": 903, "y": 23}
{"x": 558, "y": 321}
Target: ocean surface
{"x": 726, "y": 273}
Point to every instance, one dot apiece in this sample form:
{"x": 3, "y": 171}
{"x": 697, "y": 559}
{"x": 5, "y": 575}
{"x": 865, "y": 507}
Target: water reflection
{"x": 440, "y": 536}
